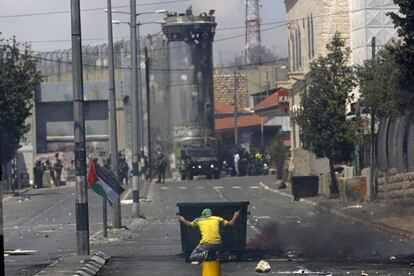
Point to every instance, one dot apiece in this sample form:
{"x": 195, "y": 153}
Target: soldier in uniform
{"x": 161, "y": 164}
{"x": 123, "y": 169}
{"x": 38, "y": 170}
{"x": 51, "y": 170}
{"x": 58, "y": 166}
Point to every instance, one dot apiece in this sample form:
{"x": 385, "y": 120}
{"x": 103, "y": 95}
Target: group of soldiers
{"x": 54, "y": 172}
{"x": 160, "y": 165}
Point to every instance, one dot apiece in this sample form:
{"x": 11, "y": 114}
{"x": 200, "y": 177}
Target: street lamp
{"x": 136, "y": 95}
{"x": 140, "y": 94}
{"x": 141, "y": 13}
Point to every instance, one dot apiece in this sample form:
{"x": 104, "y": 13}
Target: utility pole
{"x": 82, "y": 217}
{"x": 116, "y": 219}
{"x": 134, "y": 103}
{"x": 373, "y": 146}
{"x": 147, "y": 85}
{"x": 140, "y": 97}
{"x": 236, "y": 110}
{"x": 267, "y": 84}
{"x": 1, "y": 213}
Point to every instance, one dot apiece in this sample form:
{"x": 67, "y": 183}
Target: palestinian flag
{"x": 104, "y": 183}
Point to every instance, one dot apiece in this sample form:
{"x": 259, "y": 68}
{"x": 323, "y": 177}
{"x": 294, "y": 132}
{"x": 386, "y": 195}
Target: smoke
{"x": 323, "y": 239}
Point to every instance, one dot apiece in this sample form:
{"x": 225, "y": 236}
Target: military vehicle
{"x": 192, "y": 161}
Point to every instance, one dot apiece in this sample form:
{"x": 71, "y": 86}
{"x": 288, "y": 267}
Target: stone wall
{"x": 396, "y": 187}
{"x": 224, "y": 86}
{"x": 306, "y": 163}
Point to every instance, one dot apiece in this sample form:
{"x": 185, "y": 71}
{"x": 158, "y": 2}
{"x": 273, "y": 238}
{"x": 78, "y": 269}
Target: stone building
{"x": 311, "y": 25}
{"x": 224, "y": 86}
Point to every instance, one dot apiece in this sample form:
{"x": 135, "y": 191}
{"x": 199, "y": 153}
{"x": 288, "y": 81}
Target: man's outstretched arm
{"x": 183, "y": 220}
{"x": 233, "y": 220}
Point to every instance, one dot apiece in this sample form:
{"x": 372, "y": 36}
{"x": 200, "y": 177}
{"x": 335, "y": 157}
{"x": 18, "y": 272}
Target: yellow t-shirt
{"x": 210, "y": 229}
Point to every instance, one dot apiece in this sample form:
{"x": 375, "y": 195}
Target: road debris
{"x": 263, "y": 267}
{"x": 357, "y": 206}
{"x": 19, "y": 252}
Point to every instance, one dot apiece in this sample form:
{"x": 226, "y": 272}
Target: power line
{"x": 88, "y": 10}
{"x": 273, "y": 61}
{"x": 160, "y": 49}
{"x": 284, "y": 22}
{"x": 127, "y": 37}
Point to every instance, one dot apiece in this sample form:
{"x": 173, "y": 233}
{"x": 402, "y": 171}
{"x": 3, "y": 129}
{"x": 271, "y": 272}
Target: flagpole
{"x": 105, "y": 218}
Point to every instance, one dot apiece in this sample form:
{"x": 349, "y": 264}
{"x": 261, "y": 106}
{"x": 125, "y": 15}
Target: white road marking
{"x": 263, "y": 217}
{"x": 236, "y": 187}
{"x": 200, "y": 187}
{"x": 286, "y": 195}
{"x": 165, "y": 188}
{"x": 217, "y": 187}
{"x": 254, "y": 187}
{"x": 126, "y": 201}
{"x": 183, "y": 188}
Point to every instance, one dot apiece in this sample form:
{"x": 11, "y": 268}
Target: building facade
{"x": 311, "y": 26}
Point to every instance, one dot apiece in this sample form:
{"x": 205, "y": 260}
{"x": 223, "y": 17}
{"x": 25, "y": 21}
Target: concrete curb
{"x": 16, "y": 194}
{"x": 93, "y": 266}
{"x": 67, "y": 265}
{"x": 351, "y": 219}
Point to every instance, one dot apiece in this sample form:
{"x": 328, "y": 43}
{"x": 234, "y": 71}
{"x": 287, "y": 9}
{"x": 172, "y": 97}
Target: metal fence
{"x": 395, "y": 144}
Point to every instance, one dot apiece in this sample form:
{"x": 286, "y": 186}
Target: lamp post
{"x": 116, "y": 221}
{"x": 136, "y": 99}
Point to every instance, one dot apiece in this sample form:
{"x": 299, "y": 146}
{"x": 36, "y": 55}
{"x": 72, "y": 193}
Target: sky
{"x": 49, "y": 32}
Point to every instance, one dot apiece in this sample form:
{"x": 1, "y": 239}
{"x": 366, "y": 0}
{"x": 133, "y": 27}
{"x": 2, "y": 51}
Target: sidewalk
{"x": 92, "y": 264}
{"x": 393, "y": 219}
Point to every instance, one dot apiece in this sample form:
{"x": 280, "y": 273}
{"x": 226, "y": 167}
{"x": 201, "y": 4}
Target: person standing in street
{"x": 209, "y": 227}
{"x": 161, "y": 167}
{"x": 123, "y": 169}
{"x": 236, "y": 163}
{"x": 58, "y": 166}
{"x": 38, "y": 170}
{"x": 51, "y": 169}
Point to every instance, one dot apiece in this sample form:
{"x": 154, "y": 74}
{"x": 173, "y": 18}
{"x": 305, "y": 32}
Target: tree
{"x": 378, "y": 83}
{"x": 322, "y": 120}
{"x": 279, "y": 154}
{"x": 404, "y": 53}
{"x": 18, "y": 78}
{"x": 258, "y": 55}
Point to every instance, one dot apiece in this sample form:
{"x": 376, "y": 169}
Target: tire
{"x": 209, "y": 176}
{"x": 190, "y": 176}
{"x": 217, "y": 175}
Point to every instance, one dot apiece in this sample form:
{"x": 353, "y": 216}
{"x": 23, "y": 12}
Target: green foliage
{"x": 322, "y": 119}
{"x": 324, "y": 128}
{"x": 18, "y": 78}
{"x": 378, "y": 83}
{"x": 404, "y": 53}
{"x": 279, "y": 154}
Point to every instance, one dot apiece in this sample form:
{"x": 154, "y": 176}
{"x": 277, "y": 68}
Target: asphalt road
{"x": 44, "y": 222}
{"x": 326, "y": 245}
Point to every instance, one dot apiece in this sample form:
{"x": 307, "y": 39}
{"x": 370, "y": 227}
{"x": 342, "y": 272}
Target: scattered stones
{"x": 263, "y": 267}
